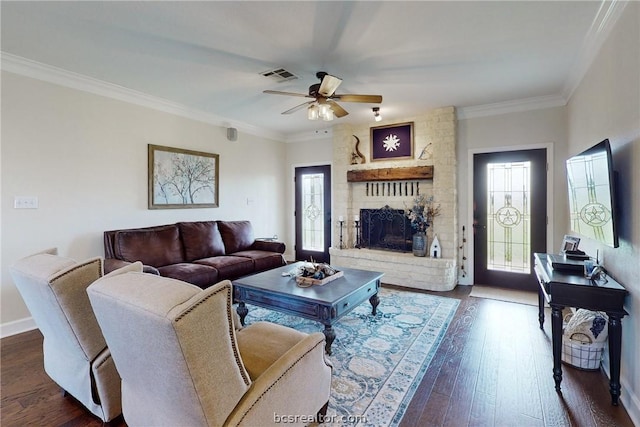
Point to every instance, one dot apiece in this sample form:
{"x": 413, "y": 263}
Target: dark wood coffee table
{"x": 325, "y": 304}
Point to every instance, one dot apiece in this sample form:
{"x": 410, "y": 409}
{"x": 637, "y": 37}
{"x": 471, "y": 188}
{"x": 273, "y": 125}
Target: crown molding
{"x": 606, "y": 18}
{"x": 39, "y": 71}
{"x": 515, "y": 106}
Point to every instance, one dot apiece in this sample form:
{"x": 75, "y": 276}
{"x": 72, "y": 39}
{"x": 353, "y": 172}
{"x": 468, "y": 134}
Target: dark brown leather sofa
{"x": 199, "y": 252}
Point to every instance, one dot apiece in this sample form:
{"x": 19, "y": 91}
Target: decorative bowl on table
{"x": 311, "y": 273}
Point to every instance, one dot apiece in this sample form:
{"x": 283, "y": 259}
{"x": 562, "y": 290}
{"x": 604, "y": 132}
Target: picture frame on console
{"x": 392, "y": 142}
{"x": 181, "y": 179}
{"x": 570, "y": 243}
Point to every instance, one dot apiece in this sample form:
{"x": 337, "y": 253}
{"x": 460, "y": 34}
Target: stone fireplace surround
{"x": 435, "y": 131}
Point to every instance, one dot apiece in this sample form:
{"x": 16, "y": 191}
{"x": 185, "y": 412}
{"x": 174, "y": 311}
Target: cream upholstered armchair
{"x": 76, "y": 356}
{"x": 185, "y": 361}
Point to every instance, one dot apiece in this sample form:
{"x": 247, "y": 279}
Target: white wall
{"x": 606, "y": 104}
{"x": 520, "y": 130}
{"x": 85, "y": 157}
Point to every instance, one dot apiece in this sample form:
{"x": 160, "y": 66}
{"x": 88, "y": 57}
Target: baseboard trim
{"x": 628, "y": 398}
{"x": 17, "y": 327}
{"x": 631, "y": 404}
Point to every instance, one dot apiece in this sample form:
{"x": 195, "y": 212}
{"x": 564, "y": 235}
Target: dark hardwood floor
{"x": 493, "y": 368}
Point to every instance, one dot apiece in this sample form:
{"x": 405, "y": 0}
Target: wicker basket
{"x": 579, "y": 352}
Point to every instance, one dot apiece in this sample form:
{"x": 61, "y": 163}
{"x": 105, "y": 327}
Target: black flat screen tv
{"x": 592, "y": 194}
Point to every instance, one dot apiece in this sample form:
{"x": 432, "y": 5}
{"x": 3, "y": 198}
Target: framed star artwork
{"x": 392, "y": 142}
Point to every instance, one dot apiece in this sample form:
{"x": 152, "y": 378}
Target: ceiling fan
{"x": 323, "y": 105}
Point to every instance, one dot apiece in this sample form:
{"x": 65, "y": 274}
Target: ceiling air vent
{"x": 279, "y": 75}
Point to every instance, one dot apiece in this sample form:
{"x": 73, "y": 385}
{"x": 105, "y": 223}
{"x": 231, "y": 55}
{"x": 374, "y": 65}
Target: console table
{"x": 563, "y": 289}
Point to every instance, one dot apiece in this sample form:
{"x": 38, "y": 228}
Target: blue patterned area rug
{"x": 378, "y": 361}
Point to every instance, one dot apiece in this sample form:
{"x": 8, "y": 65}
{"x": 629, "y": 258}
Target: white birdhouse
{"x": 434, "y": 251}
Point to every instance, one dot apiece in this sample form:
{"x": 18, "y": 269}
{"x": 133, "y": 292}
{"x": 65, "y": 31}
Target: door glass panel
{"x": 509, "y": 217}
{"x": 313, "y": 212}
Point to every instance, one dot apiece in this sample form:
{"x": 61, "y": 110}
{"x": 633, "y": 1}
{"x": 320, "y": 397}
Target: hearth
{"x": 386, "y": 229}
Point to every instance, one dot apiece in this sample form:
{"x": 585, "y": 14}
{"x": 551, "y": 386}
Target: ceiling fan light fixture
{"x": 376, "y": 114}
{"x": 312, "y": 112}
{"x": 325, "y": 112}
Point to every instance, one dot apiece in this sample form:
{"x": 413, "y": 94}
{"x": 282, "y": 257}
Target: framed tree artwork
{"x": 392, "y": 142}
{"x": 182, "y": 178}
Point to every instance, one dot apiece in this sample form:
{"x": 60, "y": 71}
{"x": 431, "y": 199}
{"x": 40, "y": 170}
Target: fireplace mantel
{"x": 390, "y": 174}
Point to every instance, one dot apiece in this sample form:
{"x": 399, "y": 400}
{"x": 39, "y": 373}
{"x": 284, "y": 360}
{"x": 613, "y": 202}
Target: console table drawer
{"x": 592, "y": 298}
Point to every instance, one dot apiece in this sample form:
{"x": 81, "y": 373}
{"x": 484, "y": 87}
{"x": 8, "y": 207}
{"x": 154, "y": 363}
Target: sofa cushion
{"x": 202, "y": 276}
{"x": 201, "y": 239}
{"x": 229, "y": 267}
{"x": 157, "y": 246}
{"x": 263, "y": 260}
{"x": 236, "y": 235}
{"x": 269, "y": 246}
{"x": 132, "y": 267}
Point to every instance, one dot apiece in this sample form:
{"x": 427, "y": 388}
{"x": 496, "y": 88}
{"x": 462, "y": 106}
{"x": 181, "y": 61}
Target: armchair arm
{"x": 268, "y": 245}
{"x": 297, "y": 384}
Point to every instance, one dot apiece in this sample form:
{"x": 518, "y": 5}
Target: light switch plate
{"x": 25, "y": 202}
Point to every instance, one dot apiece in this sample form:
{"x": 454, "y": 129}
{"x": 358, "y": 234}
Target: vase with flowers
{"x": 421, "y": 214}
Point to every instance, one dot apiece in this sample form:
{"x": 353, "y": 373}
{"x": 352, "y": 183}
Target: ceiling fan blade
{"x": 277, "y": 92}
{"x": 297, "y": 107}
{"x": 338, "y": 111}
{"x": 372, "y": 99}
{"x": 329, "y": 85}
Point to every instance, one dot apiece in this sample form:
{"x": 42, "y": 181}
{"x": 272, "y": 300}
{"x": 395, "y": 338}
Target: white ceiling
{"x": 208, "y": 56}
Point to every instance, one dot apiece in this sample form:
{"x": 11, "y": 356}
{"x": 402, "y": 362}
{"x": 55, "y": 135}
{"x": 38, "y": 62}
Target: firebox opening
{"x": 387, "y": 229}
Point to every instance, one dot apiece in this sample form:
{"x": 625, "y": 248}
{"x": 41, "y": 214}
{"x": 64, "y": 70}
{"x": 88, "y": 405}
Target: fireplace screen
{"x": 386, "y": 228}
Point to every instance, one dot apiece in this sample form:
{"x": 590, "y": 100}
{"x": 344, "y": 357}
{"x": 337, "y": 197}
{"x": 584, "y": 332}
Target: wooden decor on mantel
{"x": 390, "y": 174}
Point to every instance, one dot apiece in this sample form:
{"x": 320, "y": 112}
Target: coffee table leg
{"x": 330, "y": 335}
{"x": 242, "y": 311}
{"x": 374, "y": 300}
